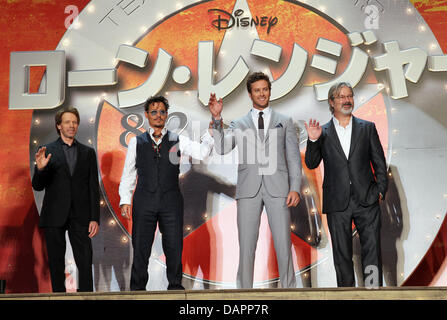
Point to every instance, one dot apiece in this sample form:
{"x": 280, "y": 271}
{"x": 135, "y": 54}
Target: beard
{"x": 157, "y": 123}
{"x": 347, "y": 111}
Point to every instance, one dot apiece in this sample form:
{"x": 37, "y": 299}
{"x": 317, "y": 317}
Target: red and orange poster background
{"x": 33, "y": 25}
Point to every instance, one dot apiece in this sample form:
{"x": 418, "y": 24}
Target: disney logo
{"x": 226, "y": 20}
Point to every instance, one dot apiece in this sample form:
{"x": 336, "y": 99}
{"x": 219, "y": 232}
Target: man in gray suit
{"x": 269, "y": 174}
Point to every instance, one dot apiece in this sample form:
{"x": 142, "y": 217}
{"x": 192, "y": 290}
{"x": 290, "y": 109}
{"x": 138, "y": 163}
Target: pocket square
{"x": 279, "y": 125}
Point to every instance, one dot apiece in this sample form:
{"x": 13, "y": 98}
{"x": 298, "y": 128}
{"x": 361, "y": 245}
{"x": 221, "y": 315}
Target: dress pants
{"x": 248, "y": 221}
{"x": 170, "y": 221}
{"x": 82, "y": 251}
{"x": 367, "y": 222}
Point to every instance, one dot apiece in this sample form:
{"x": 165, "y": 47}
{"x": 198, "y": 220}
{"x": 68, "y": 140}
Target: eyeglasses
{"x": 344, "y": 97}
{"x": 153, "y": 113}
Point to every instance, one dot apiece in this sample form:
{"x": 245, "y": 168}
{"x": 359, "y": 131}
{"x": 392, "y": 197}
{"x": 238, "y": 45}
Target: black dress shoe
{"x": 175, "y": 287}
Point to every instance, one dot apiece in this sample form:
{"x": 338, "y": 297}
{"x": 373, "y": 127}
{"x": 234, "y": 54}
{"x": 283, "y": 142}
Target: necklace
{"x": 156, "y": 148}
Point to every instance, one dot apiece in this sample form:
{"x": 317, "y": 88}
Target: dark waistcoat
{"x": 157, "y": 172}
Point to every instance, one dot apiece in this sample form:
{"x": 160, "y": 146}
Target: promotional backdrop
{"x": 118, "y": 53}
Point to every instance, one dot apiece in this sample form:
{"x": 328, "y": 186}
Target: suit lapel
{"x": 334, "y": 136}
{"x": 274, "y": 119}
{"x": 80, "y": 158}
{"x": 61, "y": 156}
{"x": 249, "y": 121}
{"x": 356, "y": 129}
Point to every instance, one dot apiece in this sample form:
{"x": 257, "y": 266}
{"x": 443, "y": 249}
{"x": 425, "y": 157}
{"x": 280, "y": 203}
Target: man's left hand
{"x": 293, "y": 199}
{"x": 93, "y": 229}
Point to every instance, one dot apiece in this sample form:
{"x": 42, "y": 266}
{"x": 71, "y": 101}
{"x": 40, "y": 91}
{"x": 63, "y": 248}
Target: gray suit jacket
{"x": 276, "y": 160}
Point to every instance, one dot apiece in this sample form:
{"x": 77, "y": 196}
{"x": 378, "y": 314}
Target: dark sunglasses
{"x": 153, "y": 113}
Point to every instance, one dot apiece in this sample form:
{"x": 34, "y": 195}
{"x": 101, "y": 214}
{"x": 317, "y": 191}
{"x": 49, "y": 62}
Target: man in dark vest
{"x": 153, "y": 158}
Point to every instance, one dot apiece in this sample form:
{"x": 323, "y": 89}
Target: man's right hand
{"x": 215, "y": 106}
{"x": 125, "y": 211}
{"x": 41, "y": 159}
{"x": 313, "y": 129}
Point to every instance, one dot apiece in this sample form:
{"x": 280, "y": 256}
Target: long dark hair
{"x": 154, "y": 99}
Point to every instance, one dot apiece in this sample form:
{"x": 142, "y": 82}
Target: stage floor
{"x": 386, "y": 293}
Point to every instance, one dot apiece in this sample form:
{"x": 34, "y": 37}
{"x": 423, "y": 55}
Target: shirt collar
{"x": 267, "y": 111}
{"x": 163, "y": 131}
{"x": 337, "y": 123}
{"x": 75, "y": 142}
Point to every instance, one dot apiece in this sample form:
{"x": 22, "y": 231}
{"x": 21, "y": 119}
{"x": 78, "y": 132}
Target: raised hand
{"x": 41, "y": 159}
{"x": 215, "y": 106}
{"x": 313, "y": 129}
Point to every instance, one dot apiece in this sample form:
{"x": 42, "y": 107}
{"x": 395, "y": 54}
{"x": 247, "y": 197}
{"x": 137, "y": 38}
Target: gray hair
{"x": 334, "y": 92}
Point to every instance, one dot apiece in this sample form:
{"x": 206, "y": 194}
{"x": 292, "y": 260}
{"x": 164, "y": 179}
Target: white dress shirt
{"x": 187, "y": 147}
{"x": 255, "y": 115}
{"x": 344, "y": 135}
{"x": 163, "y": 132}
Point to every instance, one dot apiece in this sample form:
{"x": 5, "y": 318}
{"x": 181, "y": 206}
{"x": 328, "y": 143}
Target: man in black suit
{"x": 355, "y": 180}
{"x": 67, "y": 171}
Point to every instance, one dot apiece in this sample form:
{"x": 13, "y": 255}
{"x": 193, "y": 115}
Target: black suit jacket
{"x": 365, "y": 168}
{"x": 63, "y": 192}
